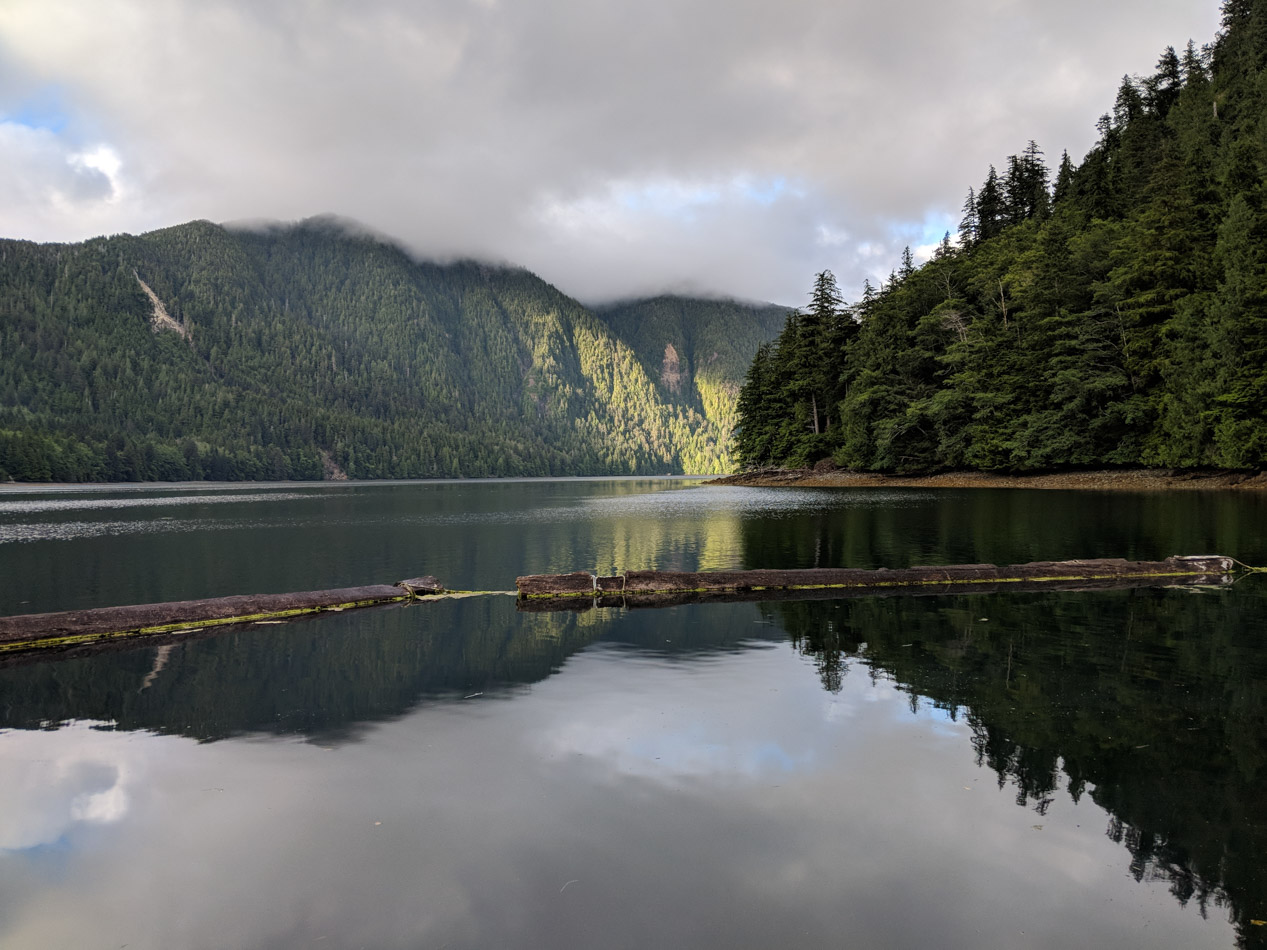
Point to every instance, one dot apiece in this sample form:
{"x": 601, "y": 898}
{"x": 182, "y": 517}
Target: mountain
{"x": 696, "y": 351}
{"x": 1114, "y": 317}
{"x": 202, "y": 351}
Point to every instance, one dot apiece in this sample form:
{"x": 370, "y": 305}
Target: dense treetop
{"x": 1114, "y": 313}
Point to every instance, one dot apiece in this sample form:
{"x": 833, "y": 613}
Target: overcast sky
{"x": 614, "y": 147}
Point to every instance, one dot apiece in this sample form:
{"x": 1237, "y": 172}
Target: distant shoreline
{"x": 1103, "y": 480}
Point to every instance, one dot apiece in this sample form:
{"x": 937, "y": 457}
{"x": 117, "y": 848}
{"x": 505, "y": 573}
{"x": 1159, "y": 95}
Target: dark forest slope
{"x": 300, "y": 351}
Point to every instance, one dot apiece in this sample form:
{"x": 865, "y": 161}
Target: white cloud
{"x": 50, "y": 187}
{"x": 524, "y": 131}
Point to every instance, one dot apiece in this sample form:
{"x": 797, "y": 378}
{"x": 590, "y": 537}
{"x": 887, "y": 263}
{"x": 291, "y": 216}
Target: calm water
{"x": 1022, "y": 770}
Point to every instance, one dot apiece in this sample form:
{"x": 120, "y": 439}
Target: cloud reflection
{"x": 51, "y": 782}
{"x": 630, "y": 800}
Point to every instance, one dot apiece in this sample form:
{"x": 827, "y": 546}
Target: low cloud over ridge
{"x": 614, "y": 148}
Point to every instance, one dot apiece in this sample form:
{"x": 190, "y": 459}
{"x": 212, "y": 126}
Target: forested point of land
{"x": 316, "y": 351}
{"x": 1114, "y": 314}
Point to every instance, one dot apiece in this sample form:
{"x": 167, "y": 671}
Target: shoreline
{"x": 1101, "y": 480}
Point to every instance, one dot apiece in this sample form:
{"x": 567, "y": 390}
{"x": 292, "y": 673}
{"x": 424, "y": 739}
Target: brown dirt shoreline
{"x": 1106, "y": 480}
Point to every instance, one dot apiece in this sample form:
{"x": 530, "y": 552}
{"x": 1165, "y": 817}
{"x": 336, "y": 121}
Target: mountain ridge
{"x": 307, "y": 344}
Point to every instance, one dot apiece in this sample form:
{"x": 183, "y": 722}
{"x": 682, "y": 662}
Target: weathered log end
{"x": 1204, "y": 563}
{"x": 421, "y": 586}
{"x": 575, "y": 584}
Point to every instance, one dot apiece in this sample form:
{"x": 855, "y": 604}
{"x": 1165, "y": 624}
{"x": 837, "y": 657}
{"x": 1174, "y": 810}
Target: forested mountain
{"x": 1116, "y": 315}
{"x": 696, "y": 351}
{"x": 316, "y": 350}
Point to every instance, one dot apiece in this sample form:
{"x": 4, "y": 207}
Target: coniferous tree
{"x": 907, "y": 267}
{"x": 991, "y": 207}
{"x": 1119, "y": 318}
{"x": 1064, "y": 179}
{"x": 969, "y": 224}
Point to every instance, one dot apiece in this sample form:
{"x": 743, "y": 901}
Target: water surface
{"x": 1013, "y": 770}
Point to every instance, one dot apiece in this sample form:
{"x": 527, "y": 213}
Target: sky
{"x": 616, "y": 148}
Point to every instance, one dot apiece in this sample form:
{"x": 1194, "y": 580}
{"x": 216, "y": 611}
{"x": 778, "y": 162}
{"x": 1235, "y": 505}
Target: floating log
{"x": 73, "y": 628}
{"x": 662, "y": 588}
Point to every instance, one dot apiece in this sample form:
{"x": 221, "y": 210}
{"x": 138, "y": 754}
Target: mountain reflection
{"x": 330, "y": 675}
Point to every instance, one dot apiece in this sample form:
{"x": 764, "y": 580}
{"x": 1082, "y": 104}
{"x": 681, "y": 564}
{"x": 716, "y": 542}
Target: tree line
{"x": 1113, "y": 313}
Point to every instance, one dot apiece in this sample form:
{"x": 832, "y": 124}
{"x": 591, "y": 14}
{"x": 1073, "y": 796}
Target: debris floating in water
{"x": 578, "y": 590}
{"x": 74, "y": 628}
{"x": 69, "y": 632}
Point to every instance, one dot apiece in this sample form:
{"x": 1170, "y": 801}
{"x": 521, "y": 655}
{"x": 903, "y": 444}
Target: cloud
{"x": 51, "y": 184}
{"x": 612, "y": 147}
{"x": 52, "y": 783}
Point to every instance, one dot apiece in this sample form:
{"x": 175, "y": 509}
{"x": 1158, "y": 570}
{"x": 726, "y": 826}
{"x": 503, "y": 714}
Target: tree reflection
{"x": 1151, "y": 702}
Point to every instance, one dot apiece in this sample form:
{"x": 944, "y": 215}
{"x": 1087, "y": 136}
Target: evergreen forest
{"x": 318, "y": 351}
{"x": 1107, "y": 313}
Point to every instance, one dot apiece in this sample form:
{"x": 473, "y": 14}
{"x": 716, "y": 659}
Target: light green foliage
{"x": 695, "y": 353}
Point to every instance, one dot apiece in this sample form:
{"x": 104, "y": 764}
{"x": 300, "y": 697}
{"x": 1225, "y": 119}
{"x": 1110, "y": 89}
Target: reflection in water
{"x": 54, "y": 781}
{"x": 1011, "y": 527}
{"x": 935, "y": 771}
{"x": 75, "y": 530}
{"x": 708, "y": 798}
{"x": 328, "y": 675}
{"x": 1148, "y": 703}
{"x": 481, "y": 535}
{"x": 20, "y": 506}
{"x": 1153, "y": 703}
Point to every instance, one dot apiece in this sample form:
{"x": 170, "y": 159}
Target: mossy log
{"x": 662, "y": 588}
{"x": 73, "y": 628}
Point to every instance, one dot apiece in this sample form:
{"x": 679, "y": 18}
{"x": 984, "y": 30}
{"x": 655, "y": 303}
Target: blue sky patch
{"x": 764, "y": 193}
{"x": 45, "y": 110}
